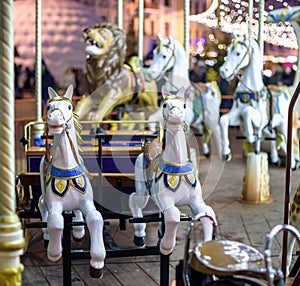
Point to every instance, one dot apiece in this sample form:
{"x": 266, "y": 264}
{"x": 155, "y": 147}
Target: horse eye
{"x": 164, "y": 105}
{"x": 184, "y": 106}
{"x": 69, "y": 107}
{"x": 164, "y": 56}
{"x": 48, "y": 107}
{"x": 237, "y": 54}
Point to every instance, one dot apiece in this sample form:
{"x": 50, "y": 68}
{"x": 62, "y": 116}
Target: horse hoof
{"x": 78, "y": 239}
{"x": 46, "y": 242}
{"x": 96, "y": 274}
{"x": 54, "y": 258}
{"x": 207, "y": 155}
{"x": 296, "y": 166}
{"x": 166, "y": 251}
{"x": 227, "y": 157}
{"x": 139, "y": 241}
{"x": 277, "y": 163}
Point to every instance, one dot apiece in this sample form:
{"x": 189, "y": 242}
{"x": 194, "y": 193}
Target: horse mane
{"x": 78, "y": 129}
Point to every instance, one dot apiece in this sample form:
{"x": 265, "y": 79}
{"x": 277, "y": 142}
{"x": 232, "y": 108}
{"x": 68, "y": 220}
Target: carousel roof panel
{"x": 62, "y": 25}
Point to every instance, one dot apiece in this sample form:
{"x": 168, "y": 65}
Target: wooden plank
{"x": 131, "y": 275}
{"x": 53, "y": 274}
{"x": 231, "y": 227}
{"x": 32, "y": 276}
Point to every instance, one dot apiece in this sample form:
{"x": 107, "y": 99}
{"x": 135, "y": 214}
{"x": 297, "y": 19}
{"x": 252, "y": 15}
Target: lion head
{"x": 106, "y": 51}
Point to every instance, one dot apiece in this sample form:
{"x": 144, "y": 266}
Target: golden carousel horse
{"x": 110, "y": 82}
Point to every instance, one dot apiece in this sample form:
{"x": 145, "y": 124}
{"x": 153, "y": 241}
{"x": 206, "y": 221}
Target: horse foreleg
{"x": 249, "y": 131}
{"x": 44, "y": 213}
{"x": 55, "y": 228}
{"x": 137, "y": 202}
{"x": 94, "y": 222}
{"x": 171, "y": 219}
{"x": 207, "y": 225}
{"x": 274, "y": 153}
{"x": 78, "y": 231}
{"x": 224, "y": 125}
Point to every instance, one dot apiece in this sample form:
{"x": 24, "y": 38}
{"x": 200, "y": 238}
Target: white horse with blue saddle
{"x": 258, "y": 112}
{"x": 169, "y": 178}
{"x": 65, "y": 183}
{"x": 203, "y": 101}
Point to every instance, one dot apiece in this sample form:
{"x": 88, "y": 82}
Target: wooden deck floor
{"x": 238, "y": 221}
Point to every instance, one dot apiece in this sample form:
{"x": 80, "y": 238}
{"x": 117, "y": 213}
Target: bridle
{"x": 248, "y": 52}
{"x": 67, "y": 127}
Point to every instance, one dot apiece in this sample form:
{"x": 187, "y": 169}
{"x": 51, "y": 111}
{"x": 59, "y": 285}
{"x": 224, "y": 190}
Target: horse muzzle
{"x": 226, "y": 73}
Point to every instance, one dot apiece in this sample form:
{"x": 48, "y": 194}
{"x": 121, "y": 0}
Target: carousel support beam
{"x": 187, "y": 28}
{"x": 141, "y": 31}
{"x": 11, "y": 234}
{"x": 38, "y": 128}
{"x": 120, "y": 14}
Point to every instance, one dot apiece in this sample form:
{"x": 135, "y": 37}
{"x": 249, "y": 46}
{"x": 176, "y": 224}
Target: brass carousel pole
{"x": 11, "y": 234}
{"x": 187, "y": 28}
{"x": 38, "y": 128}
{"x": 141, "y": 31}
{"x": 120, "y": 14}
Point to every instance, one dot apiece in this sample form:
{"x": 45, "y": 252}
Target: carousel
{"x": 123, "y": 153}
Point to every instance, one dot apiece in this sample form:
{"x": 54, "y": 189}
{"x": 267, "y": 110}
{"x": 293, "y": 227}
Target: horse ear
{"x": 164, "y": 91}
{"x": 51, "y": 92}
{"x": 181, "y": 92}
{"x": 69, "y": 91}
{"x": 160, "y": 38}
{"x": 170, "y": 39}
{"x": 234, "y": 35}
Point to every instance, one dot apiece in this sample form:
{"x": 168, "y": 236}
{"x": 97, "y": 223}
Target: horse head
{"x": 238, "y": 57}
{"x": 287, "y": 14}
{"x": 59, "y": 111}
{"x": 163, "y": 57}
{"x": 174, "y": 106}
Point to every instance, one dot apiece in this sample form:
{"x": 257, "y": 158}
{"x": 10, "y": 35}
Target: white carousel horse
{"x": 171, "y": 181}
{"x": 252, "y": 103}
{"x": 65, "y": 184}
{"x": 170, "y": 62}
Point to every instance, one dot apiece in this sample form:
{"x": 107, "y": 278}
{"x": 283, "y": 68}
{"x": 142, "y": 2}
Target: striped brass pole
{"x": 11, "y": 234}
{"x": 38, "y": 128}
{"x": 186, "y": 26}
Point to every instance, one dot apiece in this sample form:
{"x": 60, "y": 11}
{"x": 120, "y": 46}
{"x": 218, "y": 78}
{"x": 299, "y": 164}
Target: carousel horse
{"x": 110, "y": 82}
{"x": 202, "y": 100}
{"x": 65, "y": 182}
{"x": 256, "y": 111}
{"x": 169, "y": 178}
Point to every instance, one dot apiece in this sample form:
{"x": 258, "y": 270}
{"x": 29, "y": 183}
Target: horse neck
{"x": 251, "y": 79}
{"x": 179, "y": 76}
{"x": 63, "y": 155}
{"x": 176, "y": 149}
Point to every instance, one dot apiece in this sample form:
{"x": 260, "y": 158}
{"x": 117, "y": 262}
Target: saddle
{"x": 151, "y": 151}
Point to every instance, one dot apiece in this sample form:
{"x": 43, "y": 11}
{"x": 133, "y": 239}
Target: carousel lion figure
{"x": 110, "y": 81}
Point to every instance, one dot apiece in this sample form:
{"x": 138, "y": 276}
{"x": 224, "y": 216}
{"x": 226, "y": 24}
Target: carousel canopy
{"x": 62, "y": 25}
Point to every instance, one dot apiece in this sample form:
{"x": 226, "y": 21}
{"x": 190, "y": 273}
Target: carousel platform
{"x": 222, "y": 185}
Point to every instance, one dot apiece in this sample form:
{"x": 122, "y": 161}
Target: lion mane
{"x": 108, "y": 67}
